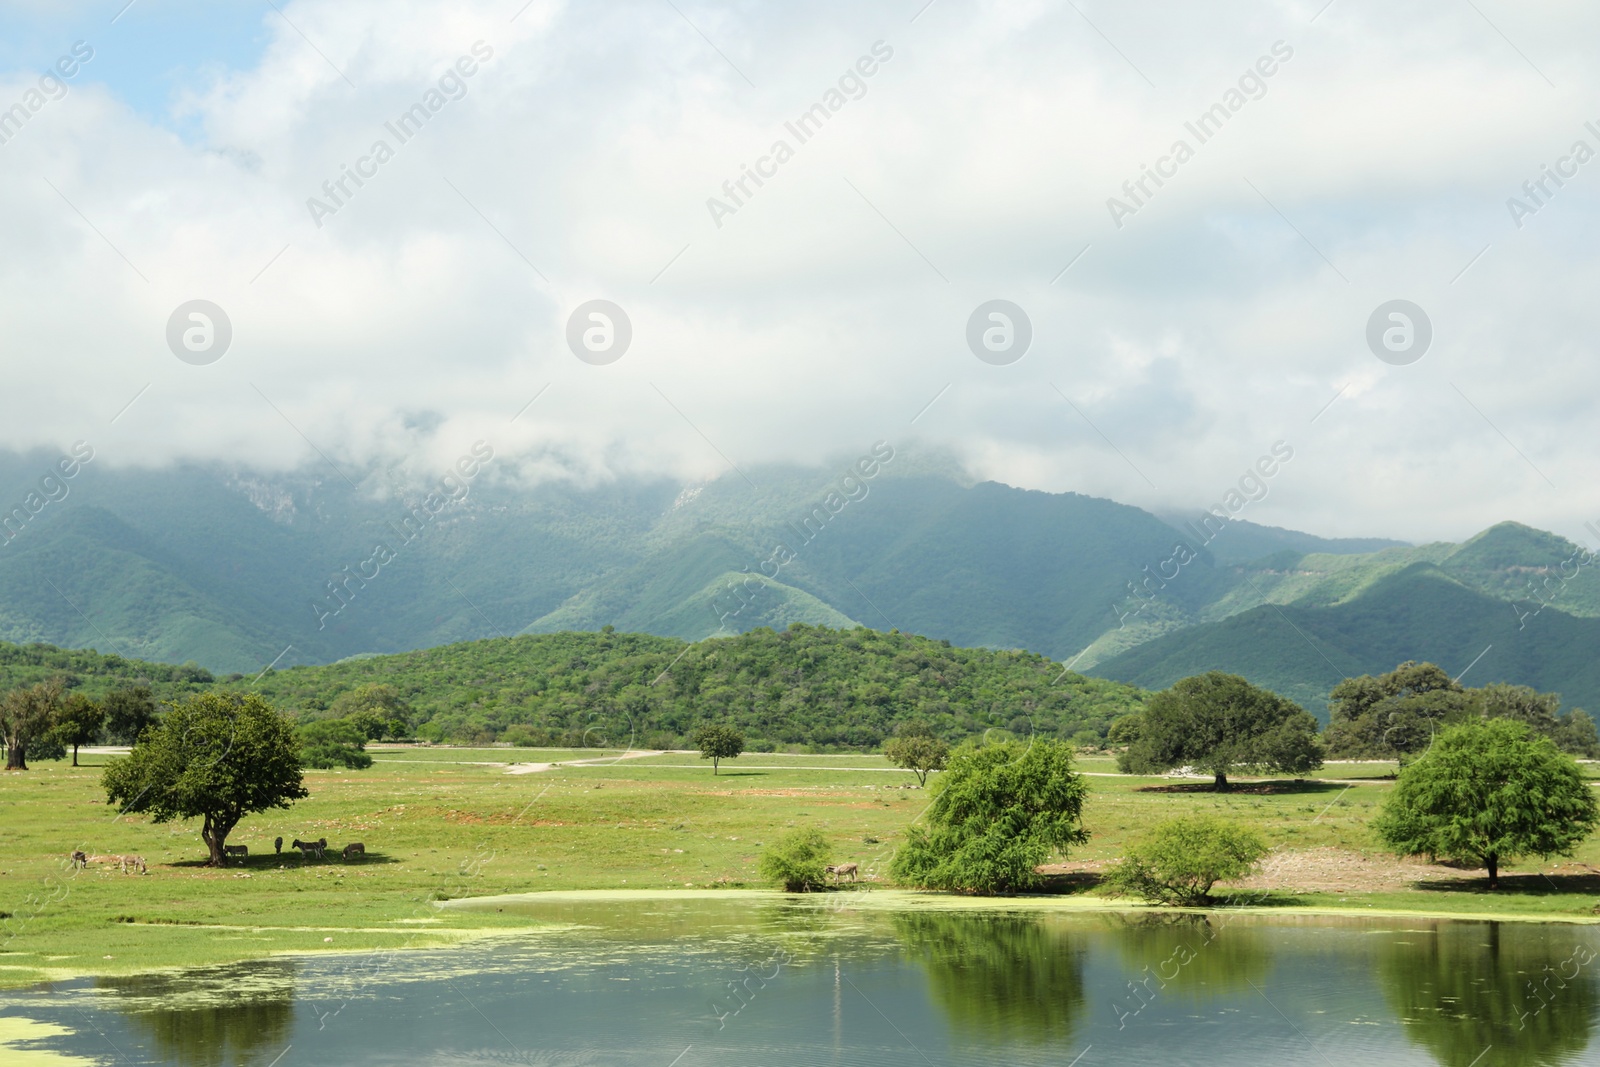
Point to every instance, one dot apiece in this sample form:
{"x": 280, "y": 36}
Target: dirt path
{"x": 536, "y": 768}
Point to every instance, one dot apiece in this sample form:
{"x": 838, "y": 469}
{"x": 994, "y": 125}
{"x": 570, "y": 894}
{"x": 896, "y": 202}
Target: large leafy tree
{"x": 1220, "y": 722}
{"x": 334, "y": 743}
{"x": 718, "y": 742}
{"x": 378, "y": 709}
{"x": 78, "y": 723}
{"x": 1488, "y": 791}
{"x": 27, "y": 717}
{"x": 1394, "y": 715}
{"x": 216, "y": 757}
{"x": 129, "y": 711}
{"x": 998, "y": 812}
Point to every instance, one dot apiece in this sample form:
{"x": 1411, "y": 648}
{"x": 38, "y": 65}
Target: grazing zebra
{"x": 842, "y": 868}
{"x": 354, "y": 848}
{"x": 307, "y": 848}
{"x": 277, "y": 845}
{"x": 122, "y": 861}
{"x": 236, "y": 850}
{"x": 79, "y": 859}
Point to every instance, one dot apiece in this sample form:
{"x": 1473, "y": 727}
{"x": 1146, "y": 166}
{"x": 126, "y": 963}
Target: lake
{"x": 736, "y": 980}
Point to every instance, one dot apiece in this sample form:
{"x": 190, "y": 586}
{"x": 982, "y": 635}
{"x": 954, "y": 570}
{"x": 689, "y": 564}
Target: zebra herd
{"x": 308, "y": 850}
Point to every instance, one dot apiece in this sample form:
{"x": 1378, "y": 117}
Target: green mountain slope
{"x": 1421, "y": 612}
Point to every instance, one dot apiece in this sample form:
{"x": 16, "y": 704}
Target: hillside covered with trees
{"x": 807, "y": 687}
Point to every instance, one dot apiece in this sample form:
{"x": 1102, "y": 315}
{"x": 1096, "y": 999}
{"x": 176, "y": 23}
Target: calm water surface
{"x": 731, "y": 983}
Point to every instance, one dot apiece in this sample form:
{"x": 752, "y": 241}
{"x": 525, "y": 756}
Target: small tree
{"x": 718, "y": 742}
{"x": 129, "y": 711}
{"x": 215, "y": 756}
{"x": 78, "y": 723}
{"x": 916, "y": 749}
{"x": 27, "y": 716}
{"x": 1488, "y": 791}
{"x": 1221, "y": 722}
{"x": 1181, "y": 859}
{"x": 334, "y": 743}
{"x": 998, "y": 812}
{"x": 798, "y": 861}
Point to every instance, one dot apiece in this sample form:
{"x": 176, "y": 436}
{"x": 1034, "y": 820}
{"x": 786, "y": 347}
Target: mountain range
{"x": 235, "y": 570}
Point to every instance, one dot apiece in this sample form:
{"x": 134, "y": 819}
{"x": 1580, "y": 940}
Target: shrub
{"x": 1000, "y": 810}
{"x": 1181, "y": 859}
{"x": 797, "y": 861}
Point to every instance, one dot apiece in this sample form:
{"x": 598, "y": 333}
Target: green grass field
{"x": 449, "y": 823}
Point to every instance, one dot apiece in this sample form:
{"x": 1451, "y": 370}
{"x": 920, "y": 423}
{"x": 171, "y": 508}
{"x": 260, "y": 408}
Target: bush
{"x": 1183, "y": 858}
{"x": 797, "y": 861}
{"x": 999, "y": 812}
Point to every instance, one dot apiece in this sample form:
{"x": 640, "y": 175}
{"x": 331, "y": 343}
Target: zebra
{"x": 123, "y": 861}
{"x": 842, "y": 868}
{"x": 277, "y": 845}
{"x": 307, "y": 849}
{"x": 79, "y": 860}
{"x": 354, "y": 848}
{"x": 241, "y": 851}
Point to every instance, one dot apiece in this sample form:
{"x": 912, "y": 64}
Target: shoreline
{"x": 911, "y": 899}
{"x": 435, "y": 938}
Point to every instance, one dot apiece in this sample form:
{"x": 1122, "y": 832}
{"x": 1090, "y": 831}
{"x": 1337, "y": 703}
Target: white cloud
{"x": 815, "y": 319}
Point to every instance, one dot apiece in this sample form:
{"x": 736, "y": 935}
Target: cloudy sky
{"x": 1175, "y": 335}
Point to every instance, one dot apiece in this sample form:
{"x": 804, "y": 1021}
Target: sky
{"x": 1315, "y": 163}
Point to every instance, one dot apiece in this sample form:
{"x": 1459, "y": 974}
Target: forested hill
{"x": 807, "y": 686}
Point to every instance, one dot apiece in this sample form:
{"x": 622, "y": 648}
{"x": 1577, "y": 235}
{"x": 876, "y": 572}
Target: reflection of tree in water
{"x": 216, "y": 1017}
{"x": 1199, "y": 956}
{"x": 999, "y": 976}
{"x": 1525, "y": 993}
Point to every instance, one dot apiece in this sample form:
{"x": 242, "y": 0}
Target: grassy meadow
{"x": 441, "y": 823}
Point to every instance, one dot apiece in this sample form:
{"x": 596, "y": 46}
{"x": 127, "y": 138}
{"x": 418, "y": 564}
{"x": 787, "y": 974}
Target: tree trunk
{"x": 214, "y": 838}
{"x": 1492, "y": 862}
{"x": 1221, "y": 784}
{"x": 16, "y": 756}
{"x": 715, "y": 761}
{"x": 74, "y": 755}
